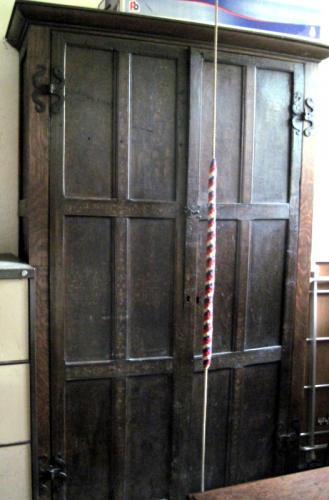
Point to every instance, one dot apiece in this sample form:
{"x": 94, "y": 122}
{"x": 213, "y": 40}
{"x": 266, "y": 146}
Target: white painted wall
{"x": 321, "y": 186}
{"x": 9, "y": 140}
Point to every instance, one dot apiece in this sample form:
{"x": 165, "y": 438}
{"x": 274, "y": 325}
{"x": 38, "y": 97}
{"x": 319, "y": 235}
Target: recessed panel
{"x": 151, "y": 287}
{"x": 88, "y": 288}
{"x": 88, "y": 434}
{"x": 258, "y": 422}
{"x": 272, "y": 136}
{"x": 266, "y": 283}
{"x": 228, "y": 132}
{"x": 148, "y": 439}
{"x": 217, "y": 429}
{"x": 322, "y": 316}
{"x": 152, "y": 173}
{"x": 88, "y": 148}
{"x": 14, "y": 320}
{"x": 322, "y": 365}
{"x": 226, "y": 244}
{"x": 14, "y": 403}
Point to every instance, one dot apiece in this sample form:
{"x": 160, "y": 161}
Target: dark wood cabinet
{"x": 113, "y": 217}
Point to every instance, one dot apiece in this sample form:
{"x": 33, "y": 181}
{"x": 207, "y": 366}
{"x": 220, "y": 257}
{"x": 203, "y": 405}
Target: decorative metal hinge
{"x": 54, "y": 89}
{"x": 54, "y": 473}
{"x": 192, "y": 211}
{"x": 301, "y": 115}
{"x": 287, "y": 442}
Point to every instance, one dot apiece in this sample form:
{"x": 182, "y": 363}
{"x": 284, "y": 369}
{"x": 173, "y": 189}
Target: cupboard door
{"x": 127, "y": 266}
{"x": 259, "y": 160}
{"x": 118, "y": 176}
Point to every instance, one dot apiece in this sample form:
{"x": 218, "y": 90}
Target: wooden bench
{"x": 308, "y": 485}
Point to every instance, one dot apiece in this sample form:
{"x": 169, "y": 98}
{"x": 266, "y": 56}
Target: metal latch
{"x": 54, "y": 89}
{"x": 54, "y": 473}
{"x": 287, "y": 442}
{"x": 192, "y": 211}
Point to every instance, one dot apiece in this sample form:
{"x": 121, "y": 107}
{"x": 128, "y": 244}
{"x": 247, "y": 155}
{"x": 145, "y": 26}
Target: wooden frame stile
{"x": 182, "y": 359}
{"x": 56, "y": 257}
{"x": 289, "y": 463}
{"x": 34, "y": 228}
{"x": 301, "y": 326}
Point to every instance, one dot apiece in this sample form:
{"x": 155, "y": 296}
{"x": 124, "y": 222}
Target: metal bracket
{"x": 301, "y": 115}
{"x": 54, "y": 473}
{"x": 48, "y": 89}
{"x": 192, "y": 211}
{"x": 287, "y": 442}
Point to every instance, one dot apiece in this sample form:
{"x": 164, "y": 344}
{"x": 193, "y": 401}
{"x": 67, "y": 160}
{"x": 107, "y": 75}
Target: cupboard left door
{"x": 117, "y": 191}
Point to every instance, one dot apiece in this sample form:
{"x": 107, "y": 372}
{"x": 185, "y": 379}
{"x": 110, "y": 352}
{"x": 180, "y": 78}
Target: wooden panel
{"x": 229, "y": 119}
{"x": 217, "y": 429}
{"x": 323, "y": 318}
{"x": 258, "y": 422}
{"x": 149, "y": 414}
{"x": 309, "y": 485}
{"x": 321, "y": 410}
{"x": 88, "y": 434}
{"x": 88, "y": 282}
{"x": 272, "y": 151}
{"x": 322, "y": 368}
{"x": 226, "y": 245}
{"x": 88, "y": 142}
{"x": 151, "y": 287}
{"x": 153, "y": 128}
{"x": 321, "y": 407}
{"x": 266, "y": 281}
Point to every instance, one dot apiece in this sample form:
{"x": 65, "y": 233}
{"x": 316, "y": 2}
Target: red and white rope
{"x": 210, "y": 261}
{"x": 210, "y": 267}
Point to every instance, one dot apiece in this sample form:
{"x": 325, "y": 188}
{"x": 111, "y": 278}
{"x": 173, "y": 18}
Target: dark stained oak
{"x": 309, "y": 485}
{"x": 113, "y": 212}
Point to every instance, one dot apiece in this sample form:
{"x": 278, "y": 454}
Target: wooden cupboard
{"x": 115, "y": 148}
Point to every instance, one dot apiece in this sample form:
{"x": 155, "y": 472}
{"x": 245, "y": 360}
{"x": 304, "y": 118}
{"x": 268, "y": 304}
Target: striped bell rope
{"x": 210, "y": 263}
{"x": 210, "y": 267}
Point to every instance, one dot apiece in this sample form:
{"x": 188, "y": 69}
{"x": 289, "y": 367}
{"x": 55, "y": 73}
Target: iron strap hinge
{"x": 43, "y": 89}
{"x": 55, "y": 473}
{"x": 287, "y": 442}
{"x": 300, "y": 115}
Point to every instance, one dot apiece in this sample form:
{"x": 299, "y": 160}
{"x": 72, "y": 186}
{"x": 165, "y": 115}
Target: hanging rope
{"x": 210, "y": 261}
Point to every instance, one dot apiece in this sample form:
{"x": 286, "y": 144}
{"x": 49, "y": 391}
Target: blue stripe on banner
{"x": 299, "y": 20}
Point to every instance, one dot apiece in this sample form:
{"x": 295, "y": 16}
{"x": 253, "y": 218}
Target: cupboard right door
{"x": 259, "y": 160}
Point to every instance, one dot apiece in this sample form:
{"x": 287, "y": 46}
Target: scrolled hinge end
{"x": 52, "y": 89}
{"x": 302, "y": 115}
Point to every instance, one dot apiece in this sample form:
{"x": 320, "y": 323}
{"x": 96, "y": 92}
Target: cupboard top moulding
{"x": 28, "y": 13}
